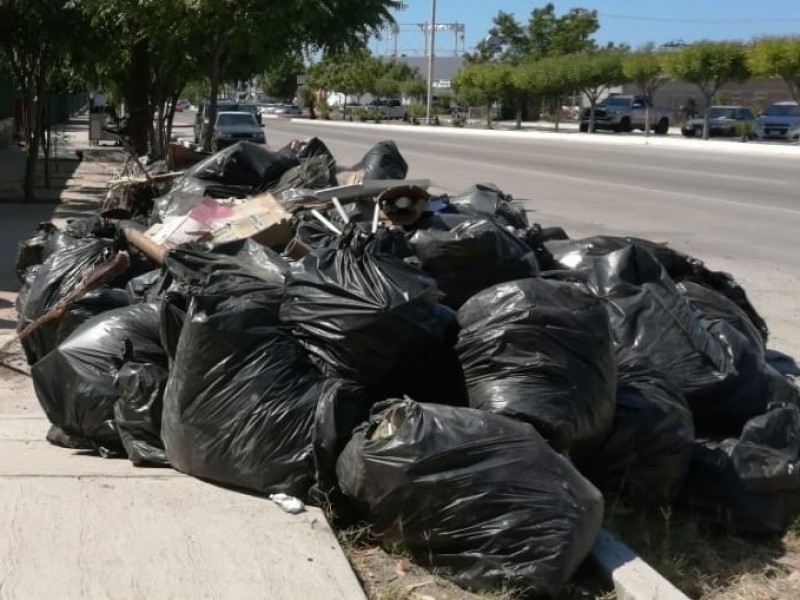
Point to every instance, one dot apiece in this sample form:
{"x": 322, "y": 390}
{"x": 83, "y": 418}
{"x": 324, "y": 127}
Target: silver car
{"x": 779, "y": 121}
{"x": 231, "y": 127}
{"x": 723, "y": 120}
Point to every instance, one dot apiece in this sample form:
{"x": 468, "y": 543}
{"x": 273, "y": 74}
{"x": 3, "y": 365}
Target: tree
{"x": 645, "y": 68}
{"x": 709, "y": 66}
{"x": 777, "y": 56}
{"x": 593, "y": 73}
{"x": 550, "y": 78}
{"x": 546, "y": 34}
{"x": 36, "y": 40}
{"x": 279, "y": 80}
{"x": 485, "y": 83}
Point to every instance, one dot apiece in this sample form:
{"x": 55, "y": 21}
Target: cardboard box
{"x": 261, "y": 218}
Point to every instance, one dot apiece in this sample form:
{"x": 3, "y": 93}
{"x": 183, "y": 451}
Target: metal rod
{"x": 325, "y": 221}
{"x": 340, "y": 210}
{"x": 375, "y": 217}
{"x": 431, "y": 60}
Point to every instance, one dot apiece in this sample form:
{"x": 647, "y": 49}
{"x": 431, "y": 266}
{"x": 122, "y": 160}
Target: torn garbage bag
{"x": 478, "y": 496}
{"x": 541, "y": 351}
{"x": 647, "y": 453}
{"x": 137, "y": 412}
{"x": 240, "y": 401}
{"x": 472, "y": 256}
{"x": 75, "y": 382}
{"x": 750, "y": 484}
{"x": 367, "y": 316}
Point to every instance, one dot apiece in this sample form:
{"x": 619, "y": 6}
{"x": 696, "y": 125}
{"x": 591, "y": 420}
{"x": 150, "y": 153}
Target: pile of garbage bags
{"x": 469, "y": 383}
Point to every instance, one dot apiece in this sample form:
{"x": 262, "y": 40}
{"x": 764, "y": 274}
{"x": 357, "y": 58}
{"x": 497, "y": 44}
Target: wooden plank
{"x": 633, "y": 578}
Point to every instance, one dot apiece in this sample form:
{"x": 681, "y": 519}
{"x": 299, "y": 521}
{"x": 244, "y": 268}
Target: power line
{"x": 696, "y": 21}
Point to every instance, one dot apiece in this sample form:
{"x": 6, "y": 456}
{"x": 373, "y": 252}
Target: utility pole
{"x": 431, "y": 60}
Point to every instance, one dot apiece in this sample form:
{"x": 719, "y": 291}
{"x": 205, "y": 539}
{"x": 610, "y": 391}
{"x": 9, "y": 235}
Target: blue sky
{"x": 624, "y": 21}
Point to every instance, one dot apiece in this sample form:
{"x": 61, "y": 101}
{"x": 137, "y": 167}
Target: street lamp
{"x": 431, "y": 61}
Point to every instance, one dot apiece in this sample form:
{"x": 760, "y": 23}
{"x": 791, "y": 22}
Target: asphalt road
{"x": 737, "y": 212}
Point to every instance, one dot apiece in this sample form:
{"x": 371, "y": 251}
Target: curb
{"x": 752, "y": 149}
{"x": 633, "y": 578}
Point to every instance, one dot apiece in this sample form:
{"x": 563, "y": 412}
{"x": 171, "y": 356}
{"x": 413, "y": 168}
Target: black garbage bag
{"x": 75, "y": 382}
{"x": 647, "y": 453}
{"x": 487, "y": 200}
{"x": 145, "y": 287}
{"x": 541, "y": 351}
{"x": 34, "y": 250}
{"x": 750, "y": 484}
{"x": 92, "y": 304}
{"x": 747, "y": 392}
{"x": 383, "y": 161}
{"x": 137, "y": 412}
{"x": 240, "y": 401}
{"x": 313, "y": 148}
{"x": 478, "y": 496}
{"x": 714, "y": 305}
{"x": 252, "y": 269}
{"x": 311, "y": 174}
{"x": 60, "y": 274}
{"x": 310, "y": 231}
{"x": 246, "y": 164}
{"x": 535, "y": 238}
{"x": 343, "y": 405}
{"x": 680, "y": 267}
{"x": 472, "y": 256}
{"x": 721, "y": 373}
{"x": 365, "y": 315}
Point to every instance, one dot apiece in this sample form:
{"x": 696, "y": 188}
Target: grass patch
{"x": 707, "y": 564}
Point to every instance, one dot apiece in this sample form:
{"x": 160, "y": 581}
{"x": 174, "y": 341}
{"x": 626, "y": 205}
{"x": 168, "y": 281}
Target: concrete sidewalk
{"x": 75, "y": 526}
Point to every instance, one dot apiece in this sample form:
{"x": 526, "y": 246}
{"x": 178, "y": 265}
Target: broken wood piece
{"x": 98, "y": 276}
{"x": 146, "y": 245}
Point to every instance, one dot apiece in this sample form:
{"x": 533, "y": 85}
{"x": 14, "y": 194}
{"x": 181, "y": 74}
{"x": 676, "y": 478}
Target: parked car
{"x": 626, "y": 112}
{"x": 234, "y": 126}
{"x": 723, "y": 120}
{"x": 287, "y": 109}
{"x": 252, "y": 108}
{"x": 201, "y": 118}
{"x": 267, "y": 108}
{"x": 779, "y": 121}
{"x": 182, "y": 105}
{"x": 391, "y": 109}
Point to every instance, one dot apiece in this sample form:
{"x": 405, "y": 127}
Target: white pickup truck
{"x": 626, "y": 112}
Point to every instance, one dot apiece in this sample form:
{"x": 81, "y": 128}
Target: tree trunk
{"x": 557, "y": 103}
{"x": 32, "y": 143}
{"x": 489, "y": 115}
{"x": 707, "y": 117}
{"x": 160, "y": 146}
{"x": 208, "y": 127}
{"x": 520, "y": 103}
{"x": 647, "y": 120}
{"x": 137, "y": 98}
{"x": 592, "y": 106}
{"x": 44, "y": 115}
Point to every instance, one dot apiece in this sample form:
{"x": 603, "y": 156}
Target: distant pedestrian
{"x": 98, "y": 102}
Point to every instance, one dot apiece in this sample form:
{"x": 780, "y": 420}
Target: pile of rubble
{"x": 465, "y": 381}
